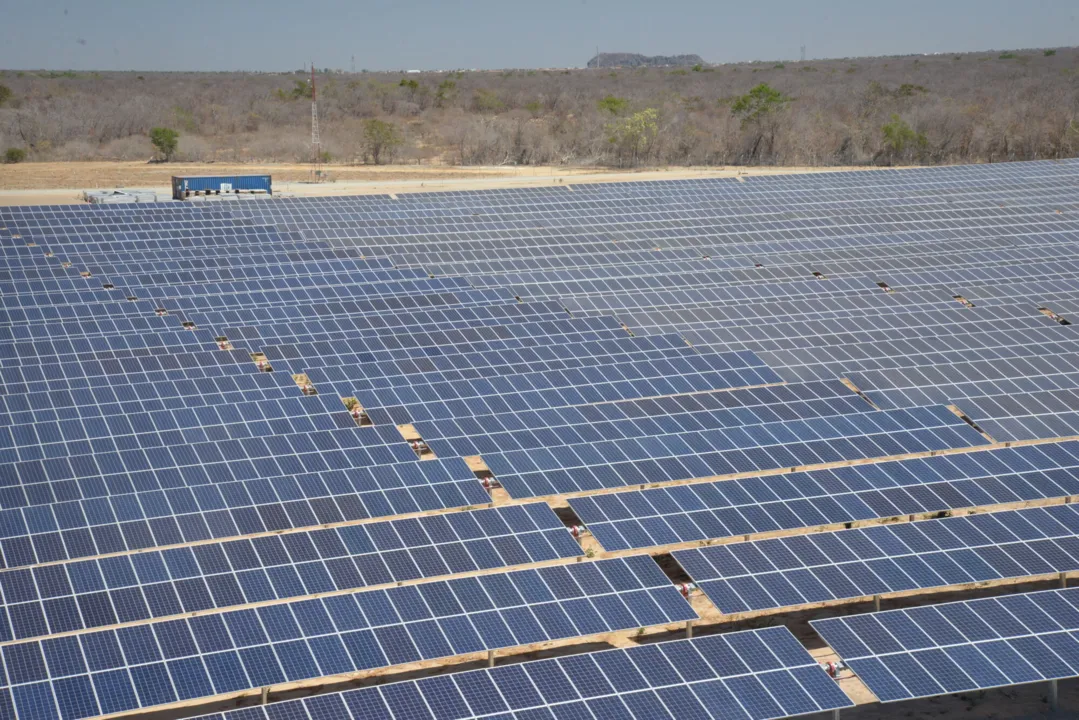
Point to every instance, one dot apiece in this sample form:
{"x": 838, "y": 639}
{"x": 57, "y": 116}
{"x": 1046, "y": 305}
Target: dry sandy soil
{"x": 62, "y": 182}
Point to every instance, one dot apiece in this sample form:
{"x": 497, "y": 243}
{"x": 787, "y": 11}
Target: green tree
{"x": 446, "y": 93}
{"x": 759, "y": 109}
{"x": 411, "y": 85}
{"x": 300, "y": 89}
{"x": 381, "y": 139}
{"x": 14, "y": 155}
{"x": 165, "y": 141}
{"x": 486, "y": 101}
{"x": 613, "y": 105}
{"x": 759, "y": 103}
{"x": 697, "y": 68}
{"x": 5, "y": 94}
{"x": 1049, "y": 53}
{"x": 901, "y": 142}
{"x": 633, "y": 136}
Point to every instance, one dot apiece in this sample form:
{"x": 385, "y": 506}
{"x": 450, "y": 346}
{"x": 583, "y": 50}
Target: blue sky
{"x": 434, "y": 34}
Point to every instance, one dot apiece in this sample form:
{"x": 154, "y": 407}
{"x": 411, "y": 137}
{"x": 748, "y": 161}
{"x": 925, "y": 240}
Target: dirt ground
{"x": 82, "y": 175}
{"x": 63, "y": 182}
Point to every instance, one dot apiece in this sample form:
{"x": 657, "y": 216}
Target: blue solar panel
{"x": 93, "y": 593}
{"x": 739, "y": 507}
{"x": 882, "y": 559}
{"x": 962, "y": 646}
{"x": 181, "y": 659}
{"x": 158, "y": 455}
{"x": 646, "y": 681}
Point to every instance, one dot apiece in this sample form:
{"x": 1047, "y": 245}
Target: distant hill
{"x": 604, "y": 60}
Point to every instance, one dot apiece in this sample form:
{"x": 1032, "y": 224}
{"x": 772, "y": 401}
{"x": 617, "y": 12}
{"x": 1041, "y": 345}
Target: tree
{"x": 417, "y": 93}
{"x": 613, "y": 105}
{"x": 301, "y": 89}
{"x": 14, "y": 155}
{"x": 759, "y": 109}
{"x": 380, "y": 138}
{"x": 446, "y": 93}
{"x": 165, "y": 140}
{"x": 908, "y": 90}
{"x": 485, "y": 101}
{"x": 5, "y": 94}
{"x": 901, "y": 141}
{"x": 759, "y": 103}
{"x": 633, "y": 136}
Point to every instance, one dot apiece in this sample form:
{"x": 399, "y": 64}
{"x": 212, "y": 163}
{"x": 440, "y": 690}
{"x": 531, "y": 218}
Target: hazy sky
{"x": 433, "y": 34}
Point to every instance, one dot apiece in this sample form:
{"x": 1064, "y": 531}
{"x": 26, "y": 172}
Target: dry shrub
{"x": 132, "y": 147}
{"x": 975, "y": 109}
{"x": 195, "y": 149}
{"x": 76, "y": 150}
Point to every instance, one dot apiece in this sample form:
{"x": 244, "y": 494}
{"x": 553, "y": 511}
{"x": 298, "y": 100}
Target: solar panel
{"x": 91, "y": 593}
{"x": 733, "y": 508}
{"x": 960, "y": 646}
{"x": 881, "y": 559}
{"x": 168, "y": 515}
{"x": 726, "y": 452}
{"x": 652, "y": 417}
{"x": 751, "y": 674}
{"x": 678, "y": 357}
{"x": 157, "y": 663}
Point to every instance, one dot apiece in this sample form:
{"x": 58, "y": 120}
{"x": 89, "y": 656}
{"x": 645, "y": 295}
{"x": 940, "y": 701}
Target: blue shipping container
{"x": 186, "y": 186}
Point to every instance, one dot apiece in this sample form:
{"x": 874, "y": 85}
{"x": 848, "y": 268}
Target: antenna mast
{"x": 316, "y": 166}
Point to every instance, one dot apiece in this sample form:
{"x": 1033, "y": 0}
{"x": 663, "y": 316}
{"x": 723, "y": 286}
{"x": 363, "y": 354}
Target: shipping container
{"x": 186, "y": 186}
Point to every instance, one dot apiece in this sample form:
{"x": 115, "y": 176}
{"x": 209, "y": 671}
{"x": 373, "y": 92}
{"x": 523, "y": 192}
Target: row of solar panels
{"x": 48, "y": 532}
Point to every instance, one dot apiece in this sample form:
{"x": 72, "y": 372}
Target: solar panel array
{"x": 156, "y": 663}
{"x": 75, "y": 595}
{"x": 962, "y": 646}
{"x": 289, "y": 417}
{"x": 754, "y": 674}
{"x": 814, "y": 498}
{"x": 882, "y": 559}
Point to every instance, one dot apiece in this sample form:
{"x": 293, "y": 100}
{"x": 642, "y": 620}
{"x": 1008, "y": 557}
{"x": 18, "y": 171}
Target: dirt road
{"x": 63, "y": 182}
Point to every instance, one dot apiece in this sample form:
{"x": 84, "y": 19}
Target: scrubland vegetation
{"x": 984, "y": 107}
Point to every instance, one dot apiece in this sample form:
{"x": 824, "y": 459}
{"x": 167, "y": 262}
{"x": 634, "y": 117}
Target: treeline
{"x": 985, "y": 107}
